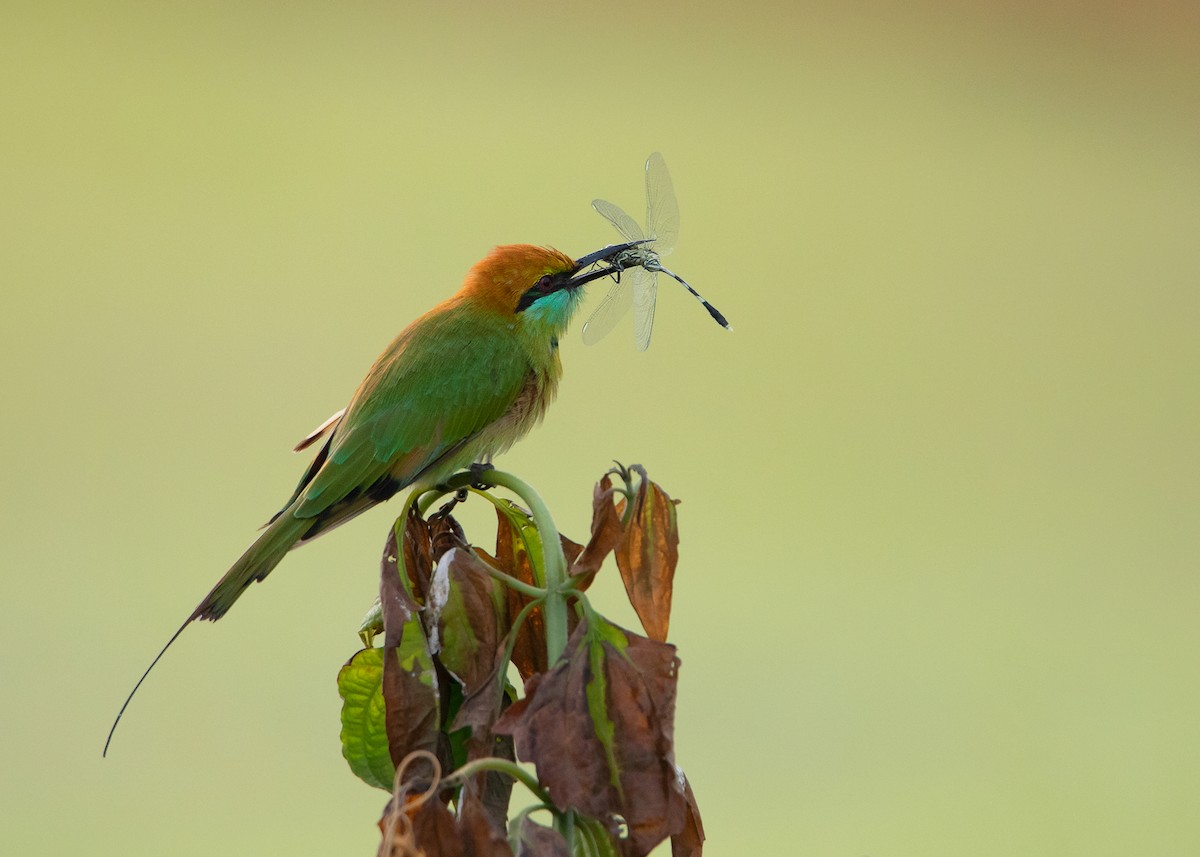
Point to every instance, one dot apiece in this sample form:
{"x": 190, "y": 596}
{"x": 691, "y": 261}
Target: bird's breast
{"x": 523, "y": 414}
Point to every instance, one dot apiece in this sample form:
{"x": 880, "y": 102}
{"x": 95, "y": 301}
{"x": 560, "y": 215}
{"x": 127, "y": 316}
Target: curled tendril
{"x": 406, "y": 800}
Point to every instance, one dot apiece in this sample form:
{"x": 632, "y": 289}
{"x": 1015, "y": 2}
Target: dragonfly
{"x": 642, "y": 264}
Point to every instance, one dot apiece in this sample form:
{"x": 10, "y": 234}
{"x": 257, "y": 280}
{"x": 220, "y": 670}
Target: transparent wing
{"x": 638, "y": 286}
{"x": 625, "y": 224}
{"x": 620, "y": 294}
{"x": 644, "y": 289}
{"x": 662, "y": 209}
{"x": 610, "y": 311}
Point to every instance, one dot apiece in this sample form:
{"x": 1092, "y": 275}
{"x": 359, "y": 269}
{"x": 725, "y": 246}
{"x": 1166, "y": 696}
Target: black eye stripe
{"x": 545, "y": 285}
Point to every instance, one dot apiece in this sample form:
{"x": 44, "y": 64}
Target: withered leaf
{"x": 418, "y": 564}
{"x": 599, "y": 727}
{"x": 465, "y": 604}
{"x": 433, "y": 832}
{"x": 529, "y": 653}
{"x": 436, "y": 832}
{"x": 647, "y": 554}
{"x": 689, "y": 842}
{"x": 571, "y": 551}
{"x": 606, "y": 533}
{"x": 479, "y": 710}
{"x": 445, "y": 533}
{"x": 481, "y": 706}
{"x": 481, "y": 834}
{"x": 409, "y": 684}
{"x": 537, "y": 840}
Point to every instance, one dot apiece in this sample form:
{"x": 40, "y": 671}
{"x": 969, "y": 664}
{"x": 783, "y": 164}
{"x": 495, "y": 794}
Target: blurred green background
{"x": 938, "y": 590}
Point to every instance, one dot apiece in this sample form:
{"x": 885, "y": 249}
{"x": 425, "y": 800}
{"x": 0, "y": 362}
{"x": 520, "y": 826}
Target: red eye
{"x": 545, "y": 285}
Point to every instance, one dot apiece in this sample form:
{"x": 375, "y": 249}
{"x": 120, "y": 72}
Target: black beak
{"x": 548, "y": 285}
{"x": 582, "y": 276}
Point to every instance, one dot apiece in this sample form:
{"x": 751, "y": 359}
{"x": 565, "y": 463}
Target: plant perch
{"x": 431, "y": 715}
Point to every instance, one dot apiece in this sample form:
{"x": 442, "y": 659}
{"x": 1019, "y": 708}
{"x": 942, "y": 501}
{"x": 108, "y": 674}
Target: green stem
{"x": 554, "y": 563}
{"x": 400, "y": 528}
{"x": 514, "y": 824}
{"x": 512, "y": 583}
{"x": 504, "y": 766}
{"x": 460, "y": 480}
{"x": 565, "y": 824}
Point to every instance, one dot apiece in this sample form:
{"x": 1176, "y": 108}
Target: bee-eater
{"x": 460, "y": 384}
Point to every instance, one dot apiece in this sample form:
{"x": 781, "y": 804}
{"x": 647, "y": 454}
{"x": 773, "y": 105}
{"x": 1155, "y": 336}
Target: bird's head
{"x": 537, "y": 285}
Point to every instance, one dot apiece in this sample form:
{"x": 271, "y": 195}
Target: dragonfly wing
{"x": 662, "y": 209}
{"x": 637, "y": 290}
{"x": 643, "y": 292}
{"x": 625, "y": 224}
{"x": 605, "y": 317}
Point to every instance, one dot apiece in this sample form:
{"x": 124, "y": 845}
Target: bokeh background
{"x": 941, "y": 487}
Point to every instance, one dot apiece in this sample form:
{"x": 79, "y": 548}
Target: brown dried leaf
{"x": 481, "y": 834}
{"x": 479, "y": 710}
{"x": 418, "y": 564}
{"x": 445, "y": 533}
{"x": 571, "y": 550}
{"x": 540, "y": 841}
{"x": 464, "y": 606}
{"x": 495, "y": 788}
{"x": 646, "y": 556}
{"x": 690, "y": 841}
{"x": 606, "y": 533}
{"x": 409, "y": 683}
{"x": 481, "y": 706}
{"x": 434, "y": 831}
{"x": 599, "y": 727}
{"x": 529, "y": 653}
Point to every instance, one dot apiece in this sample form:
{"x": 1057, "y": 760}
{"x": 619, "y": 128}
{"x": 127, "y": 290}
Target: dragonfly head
{"x": 617, "y": 256}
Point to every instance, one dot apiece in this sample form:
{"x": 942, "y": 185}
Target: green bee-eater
{"x": 460, "y": 384}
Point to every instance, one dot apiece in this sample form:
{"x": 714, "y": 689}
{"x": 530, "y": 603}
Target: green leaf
{"x": 364, "y": 736}
{"x": 371, "y": 625}
{"x": 524, "y": 526}
{"x": 597, "y": 702}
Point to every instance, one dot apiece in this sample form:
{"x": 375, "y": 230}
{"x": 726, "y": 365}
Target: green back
{"x": 442, "y": 380}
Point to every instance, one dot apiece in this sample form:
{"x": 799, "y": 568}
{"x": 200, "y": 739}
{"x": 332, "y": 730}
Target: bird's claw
{"x": 460, "y": 496}
{"x": 478, "y": 469}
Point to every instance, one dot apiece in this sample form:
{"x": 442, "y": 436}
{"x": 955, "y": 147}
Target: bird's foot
{"x": 478, "y": 469}
{"x": 460, "y": 496}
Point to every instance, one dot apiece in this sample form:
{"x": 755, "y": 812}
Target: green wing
{"x": 439, "y": 383}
